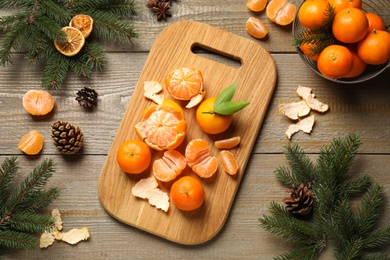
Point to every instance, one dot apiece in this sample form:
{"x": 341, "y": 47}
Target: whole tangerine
{"x": 375, "y": 22}
{"x": 335, "y": 61}
{"x": 312, "y": 13}
{"x": 187, "y": 193}
{"x": 339, "y": 5}
{"x": 134, "y": 156}
{"x": 358, "y": 65}
{"x": 209, "y": 121}
{"x": 350, "y": 25}
{"x": 374, "y": 49}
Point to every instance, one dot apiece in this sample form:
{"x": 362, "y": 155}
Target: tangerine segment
{"x": 187, "y": 193}
{"x": 198, "y": 158}
{"x": 133, "y": 156}
{"x": 256, "y": 5}
{"x": 228, "y": 143}
{"x": 31, "y": 143}
{"x": 82, "y": 22}
{"x": 73, "y": 43}
{"x": 163, "y": 126}
{"x": 256, "y": 28}
{"x": 184, "y": 83}
{"x": 169, "y": 166}
{"x": 38, "y": 102}
{"x": 229, "y": 162}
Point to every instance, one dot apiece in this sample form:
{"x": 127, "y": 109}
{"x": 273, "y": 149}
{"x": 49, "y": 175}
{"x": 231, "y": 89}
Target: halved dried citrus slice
{"x": 184, "y": 83}
{"x": 38, "y": 102}
{"x": 169, "y": 166}
{"x": 163, "y": 126}
{"x": 82, "y": 22}
{"x": 199, "y": 159}
{"x": 73, "y": 43}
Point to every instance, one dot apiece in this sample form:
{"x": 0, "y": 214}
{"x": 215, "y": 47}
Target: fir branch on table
{"x": 36, "y": 24}
{"x": 20, "y": 217}
{"x": 353, "y": 233}
{"x": 320, "y": 37}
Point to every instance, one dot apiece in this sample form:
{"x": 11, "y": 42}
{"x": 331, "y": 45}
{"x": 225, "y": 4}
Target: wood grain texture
{"x": 256, "y": 79}
{"x": 363, "y": 108}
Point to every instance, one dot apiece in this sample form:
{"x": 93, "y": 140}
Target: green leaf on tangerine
{"x": 229, "y": 107}
{"x": 226, "y": 94}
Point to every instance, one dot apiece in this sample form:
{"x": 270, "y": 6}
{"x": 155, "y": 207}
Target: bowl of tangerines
{"x": 346, "y": 41}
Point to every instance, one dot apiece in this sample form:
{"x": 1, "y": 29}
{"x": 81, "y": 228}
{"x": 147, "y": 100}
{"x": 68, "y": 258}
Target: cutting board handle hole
{"x": 216, "y": 55}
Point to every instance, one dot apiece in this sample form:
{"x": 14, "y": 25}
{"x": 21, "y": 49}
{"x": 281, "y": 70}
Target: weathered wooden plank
{"x": 362, "y": 108}
{"x": 241, "y": 236}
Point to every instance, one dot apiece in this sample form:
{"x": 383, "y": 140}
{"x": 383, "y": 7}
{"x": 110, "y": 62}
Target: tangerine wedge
{"x": 198, "y": 158}
{"x": 184, "y": 83}
{"x": 31, "y": 143}
{"x": 163, "y": 126}
{"x": 169, "y": 166}
{"x": 229, "y": 162}
{"x": 228, "y": 143}
{"x": 38, "y": 102}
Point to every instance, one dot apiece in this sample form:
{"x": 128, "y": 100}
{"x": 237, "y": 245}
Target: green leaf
{"x": 226, "y": 95}
{"x": 229, "y": 107}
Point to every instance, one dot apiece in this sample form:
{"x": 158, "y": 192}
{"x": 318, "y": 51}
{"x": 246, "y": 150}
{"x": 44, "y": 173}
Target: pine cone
{"x": 300, "y": 200}
{"x": 87, "y": 97}
{"x": 67, "y": 137}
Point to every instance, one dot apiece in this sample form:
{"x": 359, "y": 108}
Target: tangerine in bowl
{"x": 361, "y": 26}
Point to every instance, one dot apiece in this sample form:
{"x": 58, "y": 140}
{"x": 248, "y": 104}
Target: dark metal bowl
{"x": 380, "y": 7}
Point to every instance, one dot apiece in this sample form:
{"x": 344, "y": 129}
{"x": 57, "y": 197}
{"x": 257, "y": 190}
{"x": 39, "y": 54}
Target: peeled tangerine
{"x": 31, "y": 143}
{"x": 281, "y": 12}
{"x": 162, "y": 126}
{"x": 256, "y": 5}
{"x": 199, "y": 159}
{"x": 256, "y": 28}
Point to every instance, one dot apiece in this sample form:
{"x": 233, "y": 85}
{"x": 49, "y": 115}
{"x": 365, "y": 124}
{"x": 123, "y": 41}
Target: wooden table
{"x": 361, "y": 108}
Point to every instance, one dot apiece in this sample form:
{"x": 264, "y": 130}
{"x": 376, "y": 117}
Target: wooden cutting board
{"x": 256, "y": 76}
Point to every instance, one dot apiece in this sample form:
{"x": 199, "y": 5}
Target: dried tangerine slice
{"x": 184, "y": 83}
{"x": 229, "y": 162}
{"x": 31, "y": 143}
{"x": 163, "y": 126}
{"x": 169, "y": 166}
{"x": 82, "y": 22}
{"x": 228, "y": 143}
{"x": 38, "y": 102}
{"x": 199, "y": 159}
{"x": 73, "y": 43}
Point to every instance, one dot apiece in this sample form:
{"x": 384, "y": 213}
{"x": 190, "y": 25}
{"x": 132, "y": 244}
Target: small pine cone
{"x": 67, "y": 137}
{"x": 87, "y": 97}
{"x": 300, "y": 201}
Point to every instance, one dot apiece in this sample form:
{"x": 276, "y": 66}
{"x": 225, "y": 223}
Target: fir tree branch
{"x": 42, "y": 199}
{"x": 121, "y": 8}
{"x": 300, "y": 163}
{"x": 286, "y": 177}
{"x": 379, "y": 237}
{"x": 12, "y": 39}
{"x": 19, "y": 199}
{"x": 301, "y": 253}
{"x": 31, "y": 222}
{"x": 351, "y": 250}
{"x": 55, "y": 12}
{"x": 55, "y": 72}
{"x": 368, "y": 212}
{"x": 355, "y": 186}
{"x": 7, "y": 172}
{"x": 18, "y": 240}
{"x": 14, "y": 3}
{"x": 376, "y": 256}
